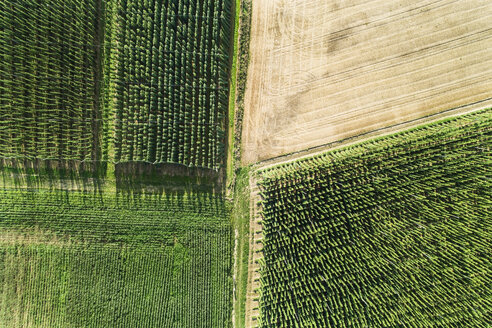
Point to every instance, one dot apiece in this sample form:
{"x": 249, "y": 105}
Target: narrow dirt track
{"x": 255, "y": 255}
{"x": 323, "y": 71}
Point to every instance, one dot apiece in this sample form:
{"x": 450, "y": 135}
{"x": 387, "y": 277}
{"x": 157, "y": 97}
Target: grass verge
{"x": 238, "y": 85}
{"x": 232, "y": 93}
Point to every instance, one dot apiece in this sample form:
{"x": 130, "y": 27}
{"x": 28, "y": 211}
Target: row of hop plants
{"x": 391, "y": 232}
{"x": 47, "y": 79}
{"x": 169, "y": 71}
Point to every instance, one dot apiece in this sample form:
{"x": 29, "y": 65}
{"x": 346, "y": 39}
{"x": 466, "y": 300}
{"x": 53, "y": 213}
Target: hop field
{"x": 393, "y": 232}
{"x": 169, "y": 80}
{"x": 48, "y": 79}
{"x": 117, "y": 80}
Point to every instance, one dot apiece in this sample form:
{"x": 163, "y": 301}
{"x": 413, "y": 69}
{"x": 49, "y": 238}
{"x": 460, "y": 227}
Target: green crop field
{"x": 393, "y": 232}
{"x": 117, "y": 80}
{"x": 77, "y": 253}
{"x": 112, "y": 136}
{"x": 169, "y": 80}
{"x": 48, "y": 87}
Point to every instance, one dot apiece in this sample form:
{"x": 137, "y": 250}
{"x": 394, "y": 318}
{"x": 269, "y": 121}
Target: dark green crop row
{"x": 393, "y": 232}
{"x": 116, "y": 80}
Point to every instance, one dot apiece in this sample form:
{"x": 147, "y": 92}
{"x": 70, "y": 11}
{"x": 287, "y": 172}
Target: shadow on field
{"x": 53, "y": 174}
{"x": 136, "y": 180}
{"x": 126, "y": 179}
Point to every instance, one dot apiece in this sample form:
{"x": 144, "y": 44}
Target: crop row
{"x": 391, "y": 232}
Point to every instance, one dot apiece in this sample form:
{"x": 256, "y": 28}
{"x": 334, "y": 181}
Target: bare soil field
{"x": 323, "y": 71}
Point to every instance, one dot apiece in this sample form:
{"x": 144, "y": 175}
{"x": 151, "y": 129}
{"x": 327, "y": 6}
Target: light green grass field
{"x": 113, "y": 258}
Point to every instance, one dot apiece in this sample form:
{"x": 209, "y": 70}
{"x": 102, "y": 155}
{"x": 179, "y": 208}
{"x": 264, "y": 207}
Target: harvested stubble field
{"x": 322, "y": 71}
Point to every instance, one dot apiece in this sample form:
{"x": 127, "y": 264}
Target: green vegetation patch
{"x": 240, "y": 216}
{"x": 99, "y": 258}
{"x": 393, "y": 232}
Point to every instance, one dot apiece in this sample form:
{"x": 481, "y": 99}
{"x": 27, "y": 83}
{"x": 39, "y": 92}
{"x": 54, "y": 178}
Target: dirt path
{"x": 255, "y": 246}
{"x": 323, "y": 71}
